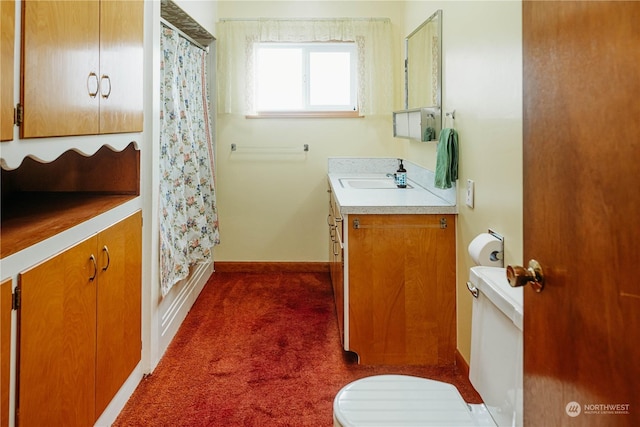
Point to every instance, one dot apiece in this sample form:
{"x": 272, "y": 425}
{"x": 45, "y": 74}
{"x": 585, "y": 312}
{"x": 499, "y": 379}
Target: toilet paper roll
{"x": 482, "y": 247}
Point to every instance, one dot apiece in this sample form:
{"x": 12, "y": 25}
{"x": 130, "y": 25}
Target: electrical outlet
{"x": 470, "y": 193}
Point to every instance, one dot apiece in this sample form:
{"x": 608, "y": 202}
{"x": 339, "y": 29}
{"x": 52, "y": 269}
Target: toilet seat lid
{"x": 400, "y": 400}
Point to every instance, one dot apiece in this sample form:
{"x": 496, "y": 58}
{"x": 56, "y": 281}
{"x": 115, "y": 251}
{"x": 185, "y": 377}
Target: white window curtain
{"x": 373, "y": 38}
{"x": 187, "y": 211}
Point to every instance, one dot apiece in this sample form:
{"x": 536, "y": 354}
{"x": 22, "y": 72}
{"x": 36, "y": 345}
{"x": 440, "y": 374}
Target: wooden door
{"x": 121, "y": 66}
{"x": 57, "y": 340}
{"x": 581, "y": 211}
{"x": 8, "y": 16}
{"x": 119, "y": 340}
{"x": 60, "y": 68}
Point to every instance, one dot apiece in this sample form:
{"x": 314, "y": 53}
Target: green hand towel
{"x": 447, "y": 158}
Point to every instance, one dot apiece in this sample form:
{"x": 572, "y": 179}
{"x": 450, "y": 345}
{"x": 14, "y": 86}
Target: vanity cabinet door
{"x": 402, "y": 288}
{"x": 336, "y": 260}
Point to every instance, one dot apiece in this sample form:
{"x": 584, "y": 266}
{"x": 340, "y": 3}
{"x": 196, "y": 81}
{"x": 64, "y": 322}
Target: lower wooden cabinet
{"x": 394, "y": 284}
{"x": 79, "y": 328}
{"x": 402, "y": 288}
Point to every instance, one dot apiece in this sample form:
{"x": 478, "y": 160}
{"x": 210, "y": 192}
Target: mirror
{"x": 421, "y": 120}
{"x": 423, "y": 64}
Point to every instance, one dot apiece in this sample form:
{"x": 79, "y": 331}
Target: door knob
{"x": 520, "y": 276}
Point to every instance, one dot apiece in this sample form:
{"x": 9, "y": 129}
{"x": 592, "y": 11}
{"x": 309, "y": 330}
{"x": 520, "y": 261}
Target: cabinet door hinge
{"x": 18, "y": 114}
{"x": 443, "y": 222}
{"x": 16, "y": 298}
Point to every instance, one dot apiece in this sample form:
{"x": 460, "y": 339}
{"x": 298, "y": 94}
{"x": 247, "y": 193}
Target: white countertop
{"x": 416, "y": 200}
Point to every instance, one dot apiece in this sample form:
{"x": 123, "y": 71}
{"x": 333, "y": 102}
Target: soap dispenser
{"x": 401, "y": 176}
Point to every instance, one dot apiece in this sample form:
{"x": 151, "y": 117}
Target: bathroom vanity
{"x": 392, "y": 257}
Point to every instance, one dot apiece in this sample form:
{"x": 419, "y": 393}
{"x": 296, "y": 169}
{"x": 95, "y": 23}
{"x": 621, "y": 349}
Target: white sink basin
{"x": 370, "y": 183}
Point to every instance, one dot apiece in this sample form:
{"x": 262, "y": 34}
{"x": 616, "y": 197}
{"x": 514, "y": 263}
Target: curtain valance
{"x": 373, "y": 38}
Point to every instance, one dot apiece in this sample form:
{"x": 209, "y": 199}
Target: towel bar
{"x": 270, "y": 150}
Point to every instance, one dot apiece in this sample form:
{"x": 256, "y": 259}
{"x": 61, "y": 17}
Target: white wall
{"x": 203, "y": 11}
{"x": 274, "y": 207}
{"x": 482, "y": 82}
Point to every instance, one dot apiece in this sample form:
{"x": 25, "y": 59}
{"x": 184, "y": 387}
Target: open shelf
{"x": 40, "y": 200}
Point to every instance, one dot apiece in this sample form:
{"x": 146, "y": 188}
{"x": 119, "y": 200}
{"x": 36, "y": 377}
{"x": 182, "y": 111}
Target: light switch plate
{"x": 470, "y": 193}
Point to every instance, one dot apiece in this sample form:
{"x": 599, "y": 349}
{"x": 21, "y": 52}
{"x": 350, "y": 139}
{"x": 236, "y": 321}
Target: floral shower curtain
{"x": 187, "y": 212}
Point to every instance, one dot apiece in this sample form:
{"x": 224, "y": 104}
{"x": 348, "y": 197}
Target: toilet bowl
{"x": 401, "y": 400}
{"x": 495, "y": 370}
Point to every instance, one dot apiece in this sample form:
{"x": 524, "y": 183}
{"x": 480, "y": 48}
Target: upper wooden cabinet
{"x": 7, "y": 12}
{"x": 81, "y": 67}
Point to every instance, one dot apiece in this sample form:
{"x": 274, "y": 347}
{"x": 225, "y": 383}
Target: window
{"x": 305, "y": 78}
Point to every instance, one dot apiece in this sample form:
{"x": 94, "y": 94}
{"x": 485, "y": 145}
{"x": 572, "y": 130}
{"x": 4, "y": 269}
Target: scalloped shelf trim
{"x": 48, "y": 156}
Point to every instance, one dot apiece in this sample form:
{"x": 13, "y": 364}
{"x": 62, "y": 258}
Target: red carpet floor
{"x": 258, "y": 350}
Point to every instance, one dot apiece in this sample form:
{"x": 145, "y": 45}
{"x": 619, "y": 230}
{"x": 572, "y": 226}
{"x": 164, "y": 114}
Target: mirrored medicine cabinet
{"x": 421, "y": 119}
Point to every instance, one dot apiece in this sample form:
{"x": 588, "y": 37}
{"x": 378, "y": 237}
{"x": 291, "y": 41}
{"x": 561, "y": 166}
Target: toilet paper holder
{"x": 497, "y": 255}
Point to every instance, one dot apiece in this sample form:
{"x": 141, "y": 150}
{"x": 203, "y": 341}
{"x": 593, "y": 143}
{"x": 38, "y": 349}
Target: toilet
{"x": 495, "y": 370}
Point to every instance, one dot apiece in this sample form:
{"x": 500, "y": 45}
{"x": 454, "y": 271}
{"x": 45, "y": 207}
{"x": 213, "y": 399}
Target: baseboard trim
{"x": 175, "y": 306}
{"x": 270, "y": 267}
{"x": 461, "y": 363}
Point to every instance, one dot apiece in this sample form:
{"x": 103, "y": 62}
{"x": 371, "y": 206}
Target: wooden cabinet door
{"x": 57, "y": 340}
{"x": 121, "y": 66}
{"x": 402, "y": 289}
{"x": 5, "y": 349}
{"x": 337, "y": 267}
{"x": 119, "y": 303}
{"x": 8, "y": 15}
{"x": 60, "y": 55}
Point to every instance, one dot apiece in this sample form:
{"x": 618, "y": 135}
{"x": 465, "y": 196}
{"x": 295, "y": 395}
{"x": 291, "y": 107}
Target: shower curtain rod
{"x": 183, "y": 35}
{"x": 301, "y": 19}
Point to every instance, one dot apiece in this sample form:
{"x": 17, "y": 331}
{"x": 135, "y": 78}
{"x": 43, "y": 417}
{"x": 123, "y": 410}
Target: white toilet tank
{"x": 496, "y": 365}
